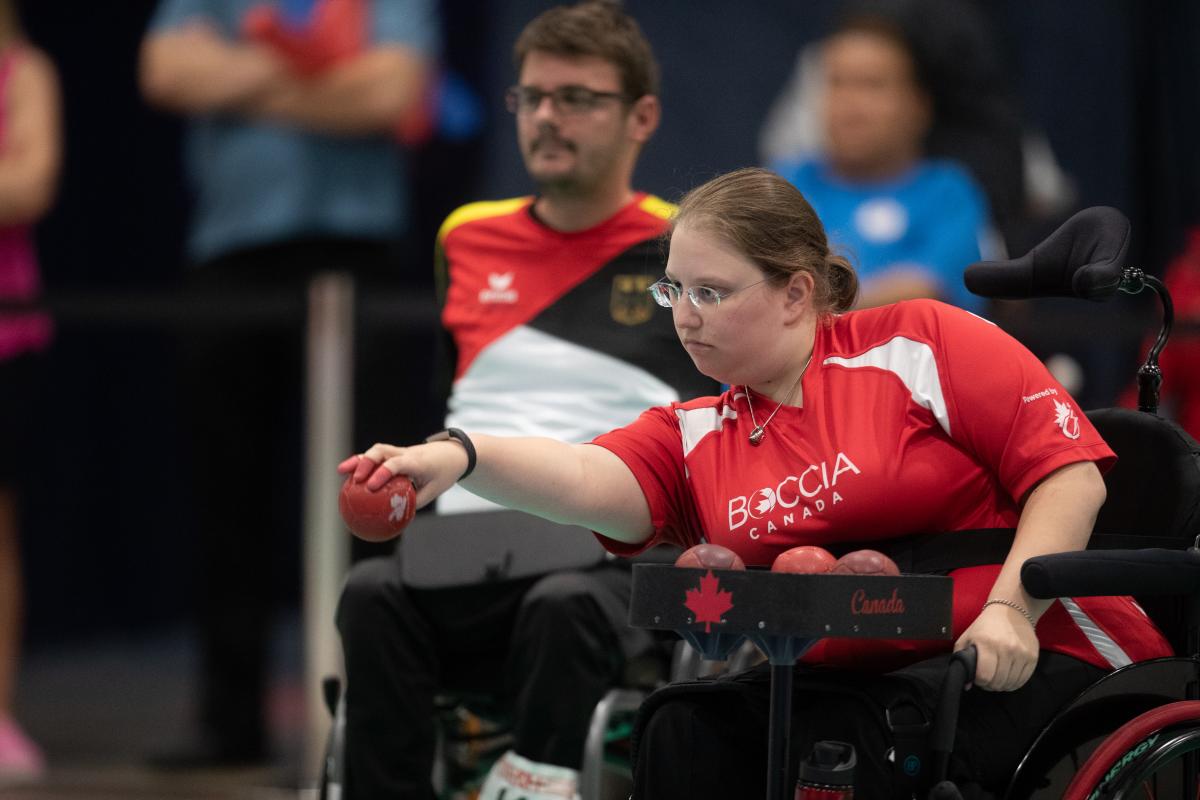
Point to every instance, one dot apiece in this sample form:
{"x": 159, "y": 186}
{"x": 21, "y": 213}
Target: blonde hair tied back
{"x": 770, "y": 222}
{"x": 843, "y": 282}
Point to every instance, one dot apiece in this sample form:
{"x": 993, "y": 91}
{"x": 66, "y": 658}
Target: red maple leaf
{"x": 709, "y": 602}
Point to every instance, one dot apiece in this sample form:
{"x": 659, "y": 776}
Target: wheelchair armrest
{"x": 1151, "y": 571}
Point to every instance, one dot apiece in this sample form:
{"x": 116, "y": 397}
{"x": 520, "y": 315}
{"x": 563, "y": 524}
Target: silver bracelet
{"x": 1002, "y": 602}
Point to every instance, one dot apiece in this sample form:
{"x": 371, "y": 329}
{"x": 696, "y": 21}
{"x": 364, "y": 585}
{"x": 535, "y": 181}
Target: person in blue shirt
{"x": 910, "y": 224}
{"x": 295, "y": 169}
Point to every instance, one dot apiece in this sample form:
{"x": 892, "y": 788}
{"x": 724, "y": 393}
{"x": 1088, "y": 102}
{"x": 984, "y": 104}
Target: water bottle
{"x": 827, "y": 773}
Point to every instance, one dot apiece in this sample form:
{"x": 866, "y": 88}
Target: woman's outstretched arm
{"x": 576, "y": 484}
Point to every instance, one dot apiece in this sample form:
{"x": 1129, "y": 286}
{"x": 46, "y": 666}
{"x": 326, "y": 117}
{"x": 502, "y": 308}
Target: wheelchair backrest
{"x": 1154, "y": 489}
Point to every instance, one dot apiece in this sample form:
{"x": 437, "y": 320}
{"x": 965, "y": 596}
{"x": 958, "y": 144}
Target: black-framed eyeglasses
{"x": 667, "y": 292}
{"x": 564, "y": 99}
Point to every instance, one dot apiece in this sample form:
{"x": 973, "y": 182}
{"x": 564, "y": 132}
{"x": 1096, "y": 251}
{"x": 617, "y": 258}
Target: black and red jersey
{"x": 917, "y": 417}
{"x": 554, "y": 333}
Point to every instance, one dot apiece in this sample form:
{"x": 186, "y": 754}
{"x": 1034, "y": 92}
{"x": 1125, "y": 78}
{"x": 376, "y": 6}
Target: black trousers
{"x": 246, "y": 392}
{"x": 548, "y": 648}
{"x": 708, "y": 739}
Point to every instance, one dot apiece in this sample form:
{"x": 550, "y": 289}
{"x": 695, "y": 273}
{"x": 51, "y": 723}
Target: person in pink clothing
{"x": 30, "y": 154}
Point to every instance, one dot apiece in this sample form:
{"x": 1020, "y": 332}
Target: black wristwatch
{"x": 461, "y": 438}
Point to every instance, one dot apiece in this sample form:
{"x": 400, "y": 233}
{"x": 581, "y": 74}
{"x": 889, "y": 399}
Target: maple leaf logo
{"x": 709, "y": 602}
{"x": 762, "y": 502}
{"x": 1064, "y": 417}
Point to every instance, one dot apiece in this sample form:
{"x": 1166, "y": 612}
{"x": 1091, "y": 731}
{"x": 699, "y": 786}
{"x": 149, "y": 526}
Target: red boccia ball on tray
{"x": 710, "y": 556}
{"x": 866, "y": 562}
{"x": 380, "y": 515}
{"x": 804, "y": 560}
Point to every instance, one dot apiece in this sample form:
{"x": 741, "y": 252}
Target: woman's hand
{"x": 1007, "y": 647}
{"x": 433, "y": 468}
{"x": 1057, "y": 517}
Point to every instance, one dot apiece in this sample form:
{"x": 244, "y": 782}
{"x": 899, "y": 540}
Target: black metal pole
{"x": 779, "y": 731}
{"x": 1149, "y": 375}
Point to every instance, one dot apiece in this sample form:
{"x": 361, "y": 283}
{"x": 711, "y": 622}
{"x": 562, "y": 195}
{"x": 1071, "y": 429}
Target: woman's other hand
{"x": 1007, "y": 647}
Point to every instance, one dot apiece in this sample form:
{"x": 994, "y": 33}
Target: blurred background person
{"x": 30, "y": 154}
{"x": 909, "y": 222}
{"x": 292, "y": 109}
{"x": 977, "y": 119}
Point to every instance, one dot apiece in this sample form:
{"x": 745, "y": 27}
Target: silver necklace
{"x": 756, "y": 435}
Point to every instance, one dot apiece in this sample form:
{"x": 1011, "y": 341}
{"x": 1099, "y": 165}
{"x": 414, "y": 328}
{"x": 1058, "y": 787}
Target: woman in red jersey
{"x": 838, "y": 426}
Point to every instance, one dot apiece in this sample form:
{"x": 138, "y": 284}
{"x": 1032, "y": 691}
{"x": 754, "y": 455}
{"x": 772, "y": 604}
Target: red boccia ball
{"x": 805, "y": 560}
{"x": 866, "y": 562}
{"x": 710, "y": 556}
{"x": 380, "y": 515}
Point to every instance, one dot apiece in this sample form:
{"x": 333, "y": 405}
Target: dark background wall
{"x": 109, "y": 537}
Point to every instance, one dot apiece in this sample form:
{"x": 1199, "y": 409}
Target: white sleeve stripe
{"x": 914, "y": 364}
{"x": 696, "y": 423}
{"x": 1105, "y": 646}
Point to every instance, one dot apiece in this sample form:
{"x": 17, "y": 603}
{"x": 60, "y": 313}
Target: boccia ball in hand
{"x": 380, "y": 515}
{"x": 710, "y": 556}
{"x": 805, "y": 560}
{"x": 866, "y": 562}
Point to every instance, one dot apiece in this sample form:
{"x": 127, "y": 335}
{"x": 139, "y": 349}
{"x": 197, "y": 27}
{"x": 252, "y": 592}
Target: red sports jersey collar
{"x": 598, "y": 230}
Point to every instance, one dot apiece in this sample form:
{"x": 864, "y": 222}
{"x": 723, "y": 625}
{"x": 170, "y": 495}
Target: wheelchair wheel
{"x": 1153, "y": 756}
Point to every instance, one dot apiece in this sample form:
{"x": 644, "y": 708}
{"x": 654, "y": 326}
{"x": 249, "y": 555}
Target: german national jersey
{"x": 555, "y": 333}
{"x": 916, "y": 417}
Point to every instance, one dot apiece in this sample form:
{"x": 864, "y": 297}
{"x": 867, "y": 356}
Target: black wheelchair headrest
{"x": 1083, "y": 258}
